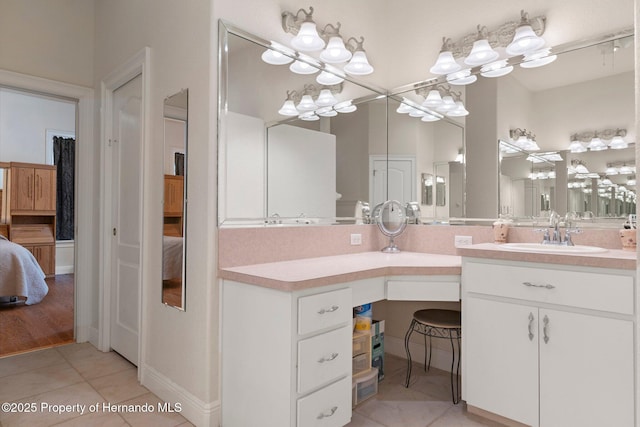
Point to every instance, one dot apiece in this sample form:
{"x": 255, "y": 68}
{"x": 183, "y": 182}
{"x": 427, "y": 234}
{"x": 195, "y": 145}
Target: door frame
{"x": 138, "y": 64}
{"x": 85, "y": 245}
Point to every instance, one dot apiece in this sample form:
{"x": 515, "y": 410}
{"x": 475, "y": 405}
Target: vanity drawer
{"x": 415, "y": 290}
{"x": 324, "y": 310}
{"x": 596, "y": 291}
{"x": 327, "y": 407}
{"x": 324, "y": 358}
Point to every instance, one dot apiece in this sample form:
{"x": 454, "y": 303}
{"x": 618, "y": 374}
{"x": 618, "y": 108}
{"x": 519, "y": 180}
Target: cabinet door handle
{"x": 530, "y": 327}
{"x": 535, "y": 285}
{"x": 328, "y": 414}
{"x": 545, "y": 329}
{"x": 328, "y": 310}
{"x": 328, "y": 359}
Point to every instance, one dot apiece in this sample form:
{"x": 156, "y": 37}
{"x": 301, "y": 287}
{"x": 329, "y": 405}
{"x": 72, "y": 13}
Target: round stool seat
{"x": 438, "y": 318}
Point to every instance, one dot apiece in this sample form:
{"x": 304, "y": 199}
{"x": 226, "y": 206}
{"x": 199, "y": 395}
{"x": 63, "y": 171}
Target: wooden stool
{"x": 436, "y": 323}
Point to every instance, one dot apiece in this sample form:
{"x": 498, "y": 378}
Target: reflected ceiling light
{"x": 445, "y": 63}
{"x": 605, "y": 182}
{"x": 458, "y": 111}
{"x": 496, "y": 69}
{"x": 417, "y": 112}
{"x": 625, "y": 170}
{"x": 330, "y": 76}
{"x": 359, "y": 64}
{"x": 611, "y": 170}
{"x": 345, "y": 107}
{"x": 335, "y": 52}
{"x": 309, "y": 116}
{"x": 524, "y": 139}
{"x": 326, "y": 112}
{"x": 462, "y": 77}
{"x": 301, "y": 67}
{"x": 482, "y": 52}
{"x": 596, "y": 144}
{"x": 274, "y": 55}
{"x": 404, "y": 107}
{"x": 595, "y": 140}
{"x": 306, "y": 104}
{"x": 538, "y": 58}
{"x": 631, "y": 180}
{"x": 433, "y": 99}
{"x": 525, "y": 39}
{"x": 430, "y": 117}
{"x": 306, "y": 37}
{"x": 448, "y": 104}
{"x": 459, "y": 157}
{"x": 289, "y": 108}
{"x": 552, "y": 156}
{"x": 326, "y": 99}
{"x": 579, "y": 167}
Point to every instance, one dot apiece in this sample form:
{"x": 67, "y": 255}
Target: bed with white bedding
{"x": 20, "y": 273}
{"x": 171, "y": 257}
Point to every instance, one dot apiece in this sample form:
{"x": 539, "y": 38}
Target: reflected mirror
{"x": 276, "y": 169}
{"x": 589, "y": 89}
{"x": 176, "y": 108}
{"x": 4, "y": 228}
{"x": 392, "y": 220}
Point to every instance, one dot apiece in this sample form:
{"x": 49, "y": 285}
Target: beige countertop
{"x": 612, "y": 258}
{"x": 312, "y": 272}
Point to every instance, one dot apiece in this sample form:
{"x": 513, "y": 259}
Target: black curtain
{"x": 179, "y": 164}
{"x": 64, "y": 150}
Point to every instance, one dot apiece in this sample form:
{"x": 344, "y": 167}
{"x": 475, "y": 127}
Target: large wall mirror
{"x": 588, "y": 89}
{"x": 287, "y": 170}
{"x": 176, "y": 113}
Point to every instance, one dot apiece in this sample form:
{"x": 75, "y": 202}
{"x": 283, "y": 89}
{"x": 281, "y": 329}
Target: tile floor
{"x": 80, "y": 374}
{"x": 76, "y": 374}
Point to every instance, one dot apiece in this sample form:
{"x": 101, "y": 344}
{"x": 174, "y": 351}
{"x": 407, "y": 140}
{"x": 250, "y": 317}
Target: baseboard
{"x": 93, "y": 337}
{"x": 64, "y": 269}
{"x": 440, "y": 359}
{"x": 200, "y": 413}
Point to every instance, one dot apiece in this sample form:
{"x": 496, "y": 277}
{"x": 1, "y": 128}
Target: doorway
{"x": 27, "y": 120}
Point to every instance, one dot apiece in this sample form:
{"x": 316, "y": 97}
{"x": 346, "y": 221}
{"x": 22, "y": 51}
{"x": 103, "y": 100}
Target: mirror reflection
{"x": 288, "y": 170}
{"x": 175, "y": 171}
{"x": 586, "y": 96}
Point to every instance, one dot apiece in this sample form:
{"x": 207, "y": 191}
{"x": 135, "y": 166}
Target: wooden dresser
{"x": 31, "y": 210}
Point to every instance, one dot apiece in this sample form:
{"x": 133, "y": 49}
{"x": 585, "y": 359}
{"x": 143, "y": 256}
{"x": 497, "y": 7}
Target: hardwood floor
{"x": 46, "y": 324}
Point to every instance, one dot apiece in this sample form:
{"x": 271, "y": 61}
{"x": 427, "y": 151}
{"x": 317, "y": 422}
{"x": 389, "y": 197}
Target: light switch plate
{"x": 356, "y": 239}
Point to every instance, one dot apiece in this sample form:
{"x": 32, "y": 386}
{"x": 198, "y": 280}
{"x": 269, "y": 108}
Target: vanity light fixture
{"x": 345, "y": 107}
{"x": 289, "y": 108}
{"x": 310, "y": 99}
{"x": 359, "y": 64}
{"x": 481, "y": 52}
{"x": 626, "y": 169}
{"x": 405, "y": 106}
{"x": 304, "y": 66}
{"x": 611, "y": 170}
{"x": 335, "y": 52}
{"x": 309, "y": 116}
{"x": 326, "y": 112}
{"x": 595, "y": 140}
{"x": 330, "y": 76}
{"x": 631, "y": 180}
{"x": 442, "y": 99}
{"x": 462, "y": 77}
{"x": 525, "y": 39}
{"x": 307, "y": 38}
{"x": 302, "y": 25}
{"x": 326, "y": 99}
{"x": 578, "y": 167}
{"x": 491, "y": 49}
{"x": 524, "y": 139}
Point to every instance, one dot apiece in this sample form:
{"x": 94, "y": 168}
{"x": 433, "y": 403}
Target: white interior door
{"x": 393, "y": 179}
{"x": 126, "y": 215}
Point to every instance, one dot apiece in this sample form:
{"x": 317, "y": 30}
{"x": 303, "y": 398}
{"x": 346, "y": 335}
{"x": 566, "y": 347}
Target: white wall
{"x": 24, "y": 120}
{"x": 179, "y": 348}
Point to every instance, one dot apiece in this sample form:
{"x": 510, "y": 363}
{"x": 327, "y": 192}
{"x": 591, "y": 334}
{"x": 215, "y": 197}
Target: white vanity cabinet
{"x": 286, "y": 357}
{"x": 548, "y": 345}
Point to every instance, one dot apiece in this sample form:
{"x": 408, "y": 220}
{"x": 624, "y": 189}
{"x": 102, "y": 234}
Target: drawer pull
{"x": 533, "y": 285}
{"x": 328, "y": 310}
{"x": 328, "y": 414}
{"x": 328, "y": 359}
{"x": 545, "y": 329}
{"x": 531, "y": 319}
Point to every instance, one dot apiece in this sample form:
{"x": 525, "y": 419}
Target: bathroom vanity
{"x": 287, "y": 330}
{"x": 548, "y": 338}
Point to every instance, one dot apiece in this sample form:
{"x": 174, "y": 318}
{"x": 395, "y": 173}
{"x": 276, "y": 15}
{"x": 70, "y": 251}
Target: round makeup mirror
{"x": 392, "y": 220}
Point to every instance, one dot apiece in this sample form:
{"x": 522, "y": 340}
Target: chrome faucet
{"x": 555, "y": 236}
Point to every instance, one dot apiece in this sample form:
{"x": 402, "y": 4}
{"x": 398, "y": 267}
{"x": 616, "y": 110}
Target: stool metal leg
{"x": 427, "y": 366}
{"x": 406, "y": 348}
{"x": 455, "y": 389}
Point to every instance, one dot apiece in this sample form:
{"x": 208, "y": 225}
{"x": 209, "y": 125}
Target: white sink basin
{"x": 552, "y": 249}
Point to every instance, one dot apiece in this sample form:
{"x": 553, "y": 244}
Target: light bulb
{"x": 481, "y": 53}
{"x": 359, "y": 64}
{"x": 335, "y": 51}
{"x": 307, "y": 39}
{"x": 445, "y": 64}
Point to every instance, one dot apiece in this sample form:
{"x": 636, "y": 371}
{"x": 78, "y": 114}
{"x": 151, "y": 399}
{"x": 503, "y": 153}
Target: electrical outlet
{"x": 356, "y": 239}
{"x": 462, "y": 241}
